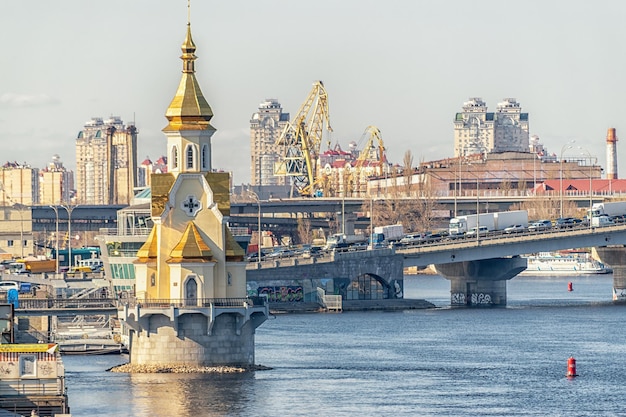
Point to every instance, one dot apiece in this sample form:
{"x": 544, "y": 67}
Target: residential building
{"x": 478, "y": 131}
{"x": 19, "y": 184}
{"x": 147, "y": 168}
{"x": 266, "y": 126}
{"x": 56, "y": 183}
{"x": 106, "y": 162}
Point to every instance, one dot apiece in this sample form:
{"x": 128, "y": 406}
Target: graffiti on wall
{"x": 481, "y": 299}
{"x": 458, "y": 298}
{"x": 282, "y": 294}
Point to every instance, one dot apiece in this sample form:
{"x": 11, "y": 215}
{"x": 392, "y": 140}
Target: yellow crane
{"x": 301, "y": 140}
{"x": 370, "y": 152}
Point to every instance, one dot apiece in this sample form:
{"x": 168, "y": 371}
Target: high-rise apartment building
{"x": 56, "y": 183}
{"x": 266, "y": 127}
{"x": 19, "y": 184}
{"x": 106, "y": 162}
{"x": 479, "y": 131}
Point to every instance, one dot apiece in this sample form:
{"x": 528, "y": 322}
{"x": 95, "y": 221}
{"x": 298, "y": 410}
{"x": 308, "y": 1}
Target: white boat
{"x": 567, "y": 263}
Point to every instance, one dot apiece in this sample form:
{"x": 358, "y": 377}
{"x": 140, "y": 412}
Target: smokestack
{"x": 611, "y": 154}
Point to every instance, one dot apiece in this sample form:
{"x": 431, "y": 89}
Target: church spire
{"x": 188, "y": 110}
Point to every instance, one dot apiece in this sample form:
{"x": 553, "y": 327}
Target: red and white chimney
{"x": 611, "y": 154}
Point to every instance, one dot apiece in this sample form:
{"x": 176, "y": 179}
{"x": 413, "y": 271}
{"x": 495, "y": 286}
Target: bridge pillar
{"x": 615, "y": 256}
{"x": 480, "y": 282}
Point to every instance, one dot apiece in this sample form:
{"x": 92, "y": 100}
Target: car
{"x": 481, "y": 230}
{"x": 564, "y": 223}
{"x": 282, "y": 253}
{"x": 540, "y": 225}
{"x": 516, "y": 228}
{"x": 312, "y": 252}
{"x": 6, "y": 286}
{"x": 433, "y": 237}
{"x": 412, "y": 239}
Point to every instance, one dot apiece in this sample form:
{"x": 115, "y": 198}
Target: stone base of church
{"x": 193, "y": 338}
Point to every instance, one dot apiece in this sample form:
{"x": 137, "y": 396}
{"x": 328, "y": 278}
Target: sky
{"x": 404, "y": 66}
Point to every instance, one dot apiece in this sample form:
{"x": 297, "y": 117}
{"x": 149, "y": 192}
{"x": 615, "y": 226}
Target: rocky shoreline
{"x": 184, "y": 369}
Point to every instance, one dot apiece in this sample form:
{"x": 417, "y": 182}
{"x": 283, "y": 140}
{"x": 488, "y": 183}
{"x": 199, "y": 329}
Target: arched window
{"x": 190, "y": 157}
{"x": 174, "y": 157}
{"x": 205, "y": 157}
{"x": 191, "y": 291}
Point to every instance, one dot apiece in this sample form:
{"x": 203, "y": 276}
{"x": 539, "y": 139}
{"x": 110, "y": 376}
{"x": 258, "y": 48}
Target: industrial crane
{"x": 371, "y": 152}
{"x": 301, "y": 140}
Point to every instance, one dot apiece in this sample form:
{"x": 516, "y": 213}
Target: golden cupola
{"x": 188, "y": 110}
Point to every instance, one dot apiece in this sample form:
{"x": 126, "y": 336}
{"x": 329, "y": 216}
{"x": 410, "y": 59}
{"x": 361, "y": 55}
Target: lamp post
{"x": 565, "y": 147}
{"x": 477, "y": 211}
{"x": 20, "y": 208}
{"x": 69, "y": 208}
{"x": 56, "y": 235}
{"x": 586, "y": 152}
{"x": 259, "y": 234}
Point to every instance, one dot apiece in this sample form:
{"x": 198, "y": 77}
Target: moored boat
{"x": 564, "y": 263}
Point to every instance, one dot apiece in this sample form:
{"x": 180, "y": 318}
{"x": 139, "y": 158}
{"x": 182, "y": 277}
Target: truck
{"x": 614, "y": 208}
{"x": 37, "y": 266}
{"x": 462, "y": 224}
{"x": 340, "y": 240}
{"x": 492, "y": 221}
{"x": 504, "y": 219}
{"x": 386, "y": 234}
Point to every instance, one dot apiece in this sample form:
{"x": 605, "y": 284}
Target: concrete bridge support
{"x": 482, "y": 282}
{"x": 615, "y": 256}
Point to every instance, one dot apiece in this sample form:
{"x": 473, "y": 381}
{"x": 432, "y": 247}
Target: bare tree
{"x": 304, "y": 231}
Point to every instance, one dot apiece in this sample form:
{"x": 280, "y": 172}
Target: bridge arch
{"x": 368, "y": 286}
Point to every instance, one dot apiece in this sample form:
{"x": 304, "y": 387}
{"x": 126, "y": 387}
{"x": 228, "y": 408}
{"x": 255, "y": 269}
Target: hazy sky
{"x": 405, "y": 66}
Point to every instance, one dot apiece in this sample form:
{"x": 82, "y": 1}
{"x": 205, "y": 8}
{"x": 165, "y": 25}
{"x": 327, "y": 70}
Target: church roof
{"x": 234, "y": 252}
{"x": 191, "y": 247}
{"x": 150, "y": 249}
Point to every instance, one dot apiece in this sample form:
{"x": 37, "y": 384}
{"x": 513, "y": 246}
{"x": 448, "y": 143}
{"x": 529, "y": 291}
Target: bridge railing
{"x": 65, "y": 303}
{"x": 195, "y": 302}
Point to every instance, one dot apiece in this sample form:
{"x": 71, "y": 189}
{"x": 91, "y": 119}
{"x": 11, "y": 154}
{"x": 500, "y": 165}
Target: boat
{"x": 564, "y": 263}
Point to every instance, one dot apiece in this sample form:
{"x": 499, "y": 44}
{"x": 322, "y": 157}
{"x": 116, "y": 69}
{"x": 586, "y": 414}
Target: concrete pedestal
{"x": 615, "y": 257}
{"x": 193, "y": 337}
{"x": 482, "y": 282}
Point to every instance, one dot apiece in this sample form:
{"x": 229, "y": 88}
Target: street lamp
{"x": 259, "y": 234}
{"x": 477, "y": 211}
{"x": 56, "y": 256}
{"x": 590, "y": 215}
{"x": 69, "y": 209}
{"x": 565, "y": 147}
{"x": 20, "y": 208}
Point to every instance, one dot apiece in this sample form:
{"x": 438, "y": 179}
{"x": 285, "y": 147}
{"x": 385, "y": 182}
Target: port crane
{"x": 372, "y": 153}
{"x": 370, "y": 160}
{"x": 301, "y": 140}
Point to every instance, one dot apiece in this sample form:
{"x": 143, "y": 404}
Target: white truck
{"x": 504, "y": 219}
{"x": 462, "y": 224}
{"x": 339, "y": 240}
{"x": 610, "y": 209}
{"x": 389, "y": 233}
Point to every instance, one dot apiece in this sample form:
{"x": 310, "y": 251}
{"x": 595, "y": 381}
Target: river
{"x": 436, "y": 362}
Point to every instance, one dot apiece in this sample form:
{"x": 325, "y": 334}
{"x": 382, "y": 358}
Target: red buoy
{"x": 570, "y": 286}
{"x": 571, "y": 367}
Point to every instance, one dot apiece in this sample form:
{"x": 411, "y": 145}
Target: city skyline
{"x": 405, "y": 68}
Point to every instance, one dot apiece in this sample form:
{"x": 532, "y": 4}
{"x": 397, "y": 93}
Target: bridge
{"x": 477, "y": 268}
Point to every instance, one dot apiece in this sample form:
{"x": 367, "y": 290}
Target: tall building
{"x": 19, "y": 184}
{"x": 56, "y": 183}
{"x": 106, "y": 162}
{"x": 266, "y": 127}
{"x": 479, "y": 131}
